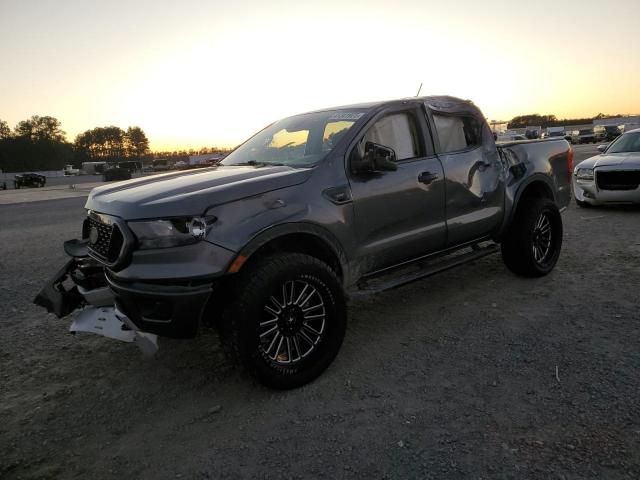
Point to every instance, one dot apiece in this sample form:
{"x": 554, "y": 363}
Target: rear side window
{"x": 457, "y": 132}
{"x": 397, "y": 131}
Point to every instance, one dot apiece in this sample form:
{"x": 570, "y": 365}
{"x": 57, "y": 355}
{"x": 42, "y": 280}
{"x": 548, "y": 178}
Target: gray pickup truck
{"x": 268, "y": 245}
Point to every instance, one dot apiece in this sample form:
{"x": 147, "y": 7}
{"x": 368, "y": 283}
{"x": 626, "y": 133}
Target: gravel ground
{"x": 474, "y": 373}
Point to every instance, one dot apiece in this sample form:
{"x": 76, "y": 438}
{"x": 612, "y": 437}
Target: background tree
{"x": 136, "y": 143}
{"x": 102, "y": 144}
{"x": 41, "y": 128}
{"x": 5, "y": 131}
{"x": 532, "y": 120}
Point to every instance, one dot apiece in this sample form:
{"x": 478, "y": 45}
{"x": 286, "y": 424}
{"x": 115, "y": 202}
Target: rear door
{"x": 474, "y": 177}
{"x": 399, "y": 214}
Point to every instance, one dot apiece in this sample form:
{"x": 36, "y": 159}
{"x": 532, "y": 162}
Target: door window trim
{"x": 424, "y": 135}
{"x": 436, "y": 137}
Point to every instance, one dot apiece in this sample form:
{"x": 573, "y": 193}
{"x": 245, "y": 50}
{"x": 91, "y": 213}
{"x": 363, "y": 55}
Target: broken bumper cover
{"x": 55, "y": 297}
{"x": 165, "y": 310}
{"x": 159, "y": 309}
{"x": 111, "y": 323}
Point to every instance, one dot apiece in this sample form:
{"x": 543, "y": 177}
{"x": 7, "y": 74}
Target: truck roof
{"x": 436, "y": 102}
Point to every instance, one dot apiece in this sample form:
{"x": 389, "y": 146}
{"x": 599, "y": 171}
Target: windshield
{"x": 629, "y": 142}
{"x": 556, "y": 134}
{"x": 300, "y": 141}
{"x": 586, "y": 132}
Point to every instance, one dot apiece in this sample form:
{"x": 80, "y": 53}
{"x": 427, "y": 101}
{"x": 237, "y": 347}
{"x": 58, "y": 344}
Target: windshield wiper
{"x": 256, "y": 163}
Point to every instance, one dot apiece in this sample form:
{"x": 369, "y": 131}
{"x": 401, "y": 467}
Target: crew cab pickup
{"x": 268, "y": 244}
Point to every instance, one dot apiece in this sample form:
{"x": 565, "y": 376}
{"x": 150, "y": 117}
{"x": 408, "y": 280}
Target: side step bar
{"x": 421, "y": 269}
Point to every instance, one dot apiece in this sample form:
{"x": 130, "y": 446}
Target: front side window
{"x": 397, "y": 131}
{"x": 299, "y": 141}
{"x": 457, "y": 132}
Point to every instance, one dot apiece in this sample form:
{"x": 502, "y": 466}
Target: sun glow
{"x": 213, "y": 74}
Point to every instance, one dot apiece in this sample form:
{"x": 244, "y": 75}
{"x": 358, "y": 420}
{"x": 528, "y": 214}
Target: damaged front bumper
{"x": 126, "y": 311}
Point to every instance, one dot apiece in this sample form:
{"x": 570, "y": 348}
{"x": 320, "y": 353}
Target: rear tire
{"x": 288, "y": 319}
{"x": 532, "y": 245}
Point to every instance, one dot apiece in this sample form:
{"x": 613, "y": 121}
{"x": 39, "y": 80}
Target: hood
{"x": 631, "y": 159}
{"x": 190, "y": 192}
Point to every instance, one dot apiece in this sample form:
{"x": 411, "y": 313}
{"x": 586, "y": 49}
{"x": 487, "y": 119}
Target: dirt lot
{"x": 450, "y": 377}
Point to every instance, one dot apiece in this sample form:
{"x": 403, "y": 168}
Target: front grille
{"x": 618, "y": 180}
{"x": 109, "y": 240}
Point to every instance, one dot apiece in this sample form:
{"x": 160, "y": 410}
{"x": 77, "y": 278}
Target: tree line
{"x": 40, "y": 143}
{"x": 545, "y": 121}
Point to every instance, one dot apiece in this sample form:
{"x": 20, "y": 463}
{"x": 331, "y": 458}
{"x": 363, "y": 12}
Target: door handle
{"x": 427, "y": 177}
{"x": 483, "y": 164}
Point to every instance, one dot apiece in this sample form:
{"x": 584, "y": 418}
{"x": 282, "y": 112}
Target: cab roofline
{"x": 435, "y": 100}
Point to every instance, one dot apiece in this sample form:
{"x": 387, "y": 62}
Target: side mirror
{"x": 602, "y": 148}
{"x": 376, "y": 158}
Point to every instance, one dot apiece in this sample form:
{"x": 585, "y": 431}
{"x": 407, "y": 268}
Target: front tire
{"x": 532, "y": 245}
{"x": 288, "y": 320}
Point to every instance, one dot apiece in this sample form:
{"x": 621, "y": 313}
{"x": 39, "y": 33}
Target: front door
{"x": 399, "y": 214}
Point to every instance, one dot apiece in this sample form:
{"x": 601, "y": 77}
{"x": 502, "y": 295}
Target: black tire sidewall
{"x": 267, "y": 276}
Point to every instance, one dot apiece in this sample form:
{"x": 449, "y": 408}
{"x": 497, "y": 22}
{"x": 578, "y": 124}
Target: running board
{"x": 421, "y": 269}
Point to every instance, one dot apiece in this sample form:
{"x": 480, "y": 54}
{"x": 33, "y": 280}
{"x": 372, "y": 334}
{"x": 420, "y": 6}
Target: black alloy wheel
{"x": 288, "y": 319}
{"x": 532, "y": 245}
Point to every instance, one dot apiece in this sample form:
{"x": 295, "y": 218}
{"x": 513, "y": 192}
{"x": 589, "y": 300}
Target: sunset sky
{"x": 210, "y": 73}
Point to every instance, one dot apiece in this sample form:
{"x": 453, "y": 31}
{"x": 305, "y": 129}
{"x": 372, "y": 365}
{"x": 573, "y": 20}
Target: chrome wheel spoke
{"x": 278, "y": 348}
{"x": 542, "y": 235}
{"x": 292, "y": 322}
{"x": 288, "y": 349}
{"x": 277, "y": 303}
{"x": 269, "y": 322}
{"x": 306, "y": 326}
{"x": 307, "y": 298}
{"x": 297, "y": 347}
{"x": 306, "y": 338}
{"x": 297, "y": 302}
{"x": 275, "y": 337}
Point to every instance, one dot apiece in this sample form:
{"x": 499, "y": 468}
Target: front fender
{"x": 278, "y": 231}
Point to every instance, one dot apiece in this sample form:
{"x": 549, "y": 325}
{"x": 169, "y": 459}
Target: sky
{"x": 211, "y": 73}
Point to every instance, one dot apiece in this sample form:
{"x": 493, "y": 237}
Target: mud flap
{"x": 109, "y": 322}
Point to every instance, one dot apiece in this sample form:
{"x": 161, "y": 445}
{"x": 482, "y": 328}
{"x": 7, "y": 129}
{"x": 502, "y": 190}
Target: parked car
{"x": 510, "y": 138}
{"x": 584, "y": 135}
{"x": 606, "y": 133}
{"x": 533, "y": 132}
{"x": 553, "y": 132}
{"x": 131, "y": 166}
{"x": 613, "y": 177}
{"x": 29, "y": 180}
{"x": 70, "y": 170}
{"x": 116, "y": 174}
{"x": 266, "y": 244}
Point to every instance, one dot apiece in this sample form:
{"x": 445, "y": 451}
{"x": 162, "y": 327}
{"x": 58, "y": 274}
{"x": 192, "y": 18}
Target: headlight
{"x": 171, "y": 232}
{"x": 584, "y": 174}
